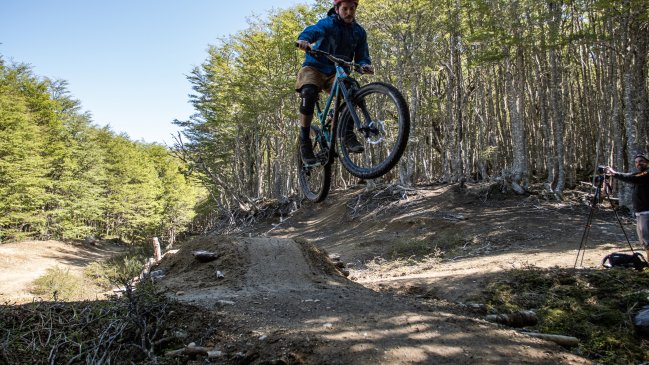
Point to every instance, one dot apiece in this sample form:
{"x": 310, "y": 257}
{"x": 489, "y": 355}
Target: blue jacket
{"x": 332, "y": 35}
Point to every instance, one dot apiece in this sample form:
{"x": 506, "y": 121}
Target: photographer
{"x": 640, "y": 181}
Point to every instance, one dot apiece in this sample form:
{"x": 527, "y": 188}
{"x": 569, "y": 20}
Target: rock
{"x": 219, "y": 274}
{"x": 204, "y": 256}
{"x": 157, "y": 274}
{"x": 473, "y": 306}
{"x": 641, "y": 322}
{"x": 516, "y": 319}
{"x": 181, "y": 334}
{"x": 214, "y": 354}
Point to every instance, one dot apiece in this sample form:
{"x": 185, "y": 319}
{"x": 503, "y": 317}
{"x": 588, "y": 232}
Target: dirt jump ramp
{"x": 292, "y": 294}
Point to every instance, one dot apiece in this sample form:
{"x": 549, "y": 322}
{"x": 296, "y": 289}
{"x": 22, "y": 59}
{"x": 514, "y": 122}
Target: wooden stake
{"x": 156, "y": 249}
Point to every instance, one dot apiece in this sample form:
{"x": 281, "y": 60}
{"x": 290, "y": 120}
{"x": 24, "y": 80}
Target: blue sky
{"x": 125, "y": 60}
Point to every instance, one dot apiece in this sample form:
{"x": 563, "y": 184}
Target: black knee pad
{"x": 308, "y": 98}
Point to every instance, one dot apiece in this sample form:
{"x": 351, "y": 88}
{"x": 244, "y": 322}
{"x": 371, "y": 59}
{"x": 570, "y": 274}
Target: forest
{"x": 515, "y": 92}
{"x": 62, "y": 177}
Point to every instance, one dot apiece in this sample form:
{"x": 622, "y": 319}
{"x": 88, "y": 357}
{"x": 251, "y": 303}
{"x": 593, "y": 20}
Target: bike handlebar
{"x": 336, "y": 60}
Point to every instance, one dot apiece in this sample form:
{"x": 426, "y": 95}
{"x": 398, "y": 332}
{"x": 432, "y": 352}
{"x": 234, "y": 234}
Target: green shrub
{"x": 116, "y": 270}
{"x": 449, "y": 240}
{"x": 60, "y": 284}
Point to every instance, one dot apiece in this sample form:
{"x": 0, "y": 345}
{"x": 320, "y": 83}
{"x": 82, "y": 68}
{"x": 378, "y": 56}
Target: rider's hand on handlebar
{"x": 367, "y": 69}
{"x": 303, "y": 45}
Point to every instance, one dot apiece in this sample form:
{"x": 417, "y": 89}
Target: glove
{"x": 368, "y": 69}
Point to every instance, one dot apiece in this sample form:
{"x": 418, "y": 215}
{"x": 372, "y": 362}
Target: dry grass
{"x": 84, "y": 332}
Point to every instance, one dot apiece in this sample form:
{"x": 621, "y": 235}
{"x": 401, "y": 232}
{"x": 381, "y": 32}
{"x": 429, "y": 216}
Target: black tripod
{"x": 599, "y": 181}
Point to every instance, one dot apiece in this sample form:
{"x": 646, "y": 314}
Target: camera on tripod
{"x": 601, "y": 169}
{"x": 601, "y": 186}
{"x": 600, "y": 175}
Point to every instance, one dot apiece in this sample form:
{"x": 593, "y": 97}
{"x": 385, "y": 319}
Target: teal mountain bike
{"x": 381, "y": 123}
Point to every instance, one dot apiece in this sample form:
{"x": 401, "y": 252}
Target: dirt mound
{"x": 185, "y": 273}
{"x": 245, "y": 268}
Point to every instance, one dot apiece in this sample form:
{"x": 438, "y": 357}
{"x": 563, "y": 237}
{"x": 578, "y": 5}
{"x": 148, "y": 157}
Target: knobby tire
{"x": 387, "y": 142}
{"x": 315, "y": 181}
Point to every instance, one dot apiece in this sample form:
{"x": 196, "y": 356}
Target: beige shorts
{"x": 309, "y": 75}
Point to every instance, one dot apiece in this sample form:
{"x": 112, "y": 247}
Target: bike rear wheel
{"x": 385, "y": 120}
{"x": 315, "y": 180}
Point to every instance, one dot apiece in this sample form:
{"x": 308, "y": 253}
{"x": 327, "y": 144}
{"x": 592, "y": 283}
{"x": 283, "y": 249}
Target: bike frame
{"x": 338, "y": 93}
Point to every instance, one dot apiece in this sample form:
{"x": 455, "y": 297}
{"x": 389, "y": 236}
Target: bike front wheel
{"x": 384, "y": 131}
{"x": 315, "y": 180}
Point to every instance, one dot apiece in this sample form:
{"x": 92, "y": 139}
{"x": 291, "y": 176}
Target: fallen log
{"x": 567, "y": 341}
{"x": 189, "y": 351}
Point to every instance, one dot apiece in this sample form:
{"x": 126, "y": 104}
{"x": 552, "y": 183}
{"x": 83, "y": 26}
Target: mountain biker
{"x": 340, "y": 35}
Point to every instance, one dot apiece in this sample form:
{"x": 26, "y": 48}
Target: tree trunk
{"x": 556, "y": 104}
{"x": 546, "y": 125}
{"x": 641, "y": 93}
{"x": 456, "y": 66}
{"x": 519, "y": 174}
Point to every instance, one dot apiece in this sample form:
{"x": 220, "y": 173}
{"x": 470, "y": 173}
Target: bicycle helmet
{"x": 336, "y": 2}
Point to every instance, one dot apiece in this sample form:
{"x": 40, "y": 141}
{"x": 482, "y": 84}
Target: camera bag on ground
{"x": 616, "y": 259}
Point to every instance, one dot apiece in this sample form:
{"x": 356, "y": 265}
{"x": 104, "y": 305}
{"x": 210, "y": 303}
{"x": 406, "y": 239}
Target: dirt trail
{"x": 23, "y": 262}
{"x": 461, "y": 279}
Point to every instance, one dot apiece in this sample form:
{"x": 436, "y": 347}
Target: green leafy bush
{"x": 116, "y": 270}
{"x": 59, "y": 284}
